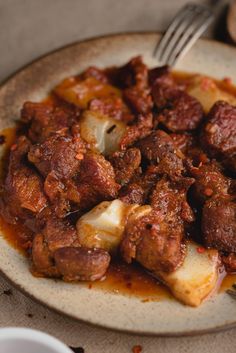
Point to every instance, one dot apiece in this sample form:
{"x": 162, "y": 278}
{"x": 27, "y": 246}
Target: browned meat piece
{"x": 159, "y": 148}
{"x": 183, "y": 141}
{"x": 139, "y": 99}
{"x": 209, "y": 182}
{"x": 161, "y": 75}
{"x": 230, "y": 262}
{"x": 219, "y": 223}
{"x": 55, "y": 235}
{"x": 177, "y": 110}
{"x": 139, "y": 188}
{"x": 188, "y": 144}
{"x": 46, "y": 119}
{"x": 133, "y": 77}
{"x": 43, "y": 262}
{"x": 59, "y": 234}
{"x": 135, "y": 72}
{"x": 170, "y": 199}
{"x": 60, "y": 154}
{"x": 96, "y": 180}
{"x": 82, "y": 264}
{"x": 125, "y": 164}
{"x": 147, "y": 241}
{"x": 112, "y": 106}
{"x": 184, "y": 113}
{"x": 156, "y": 239}
{"x": 138, "y": 130}
{"x": 219, "y": 133}
{"x": 23, "y": 188}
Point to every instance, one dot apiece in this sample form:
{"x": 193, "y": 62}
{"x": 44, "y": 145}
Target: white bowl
{"x": 24, "y": 340}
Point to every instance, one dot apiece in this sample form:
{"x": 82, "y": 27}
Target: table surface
{"x": 29, "y": 29}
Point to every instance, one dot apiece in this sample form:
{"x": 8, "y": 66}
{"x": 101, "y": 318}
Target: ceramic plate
{"x": 94, "y": 306}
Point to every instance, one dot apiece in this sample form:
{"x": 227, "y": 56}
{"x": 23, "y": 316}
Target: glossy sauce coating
{"x": 120, "y": 278}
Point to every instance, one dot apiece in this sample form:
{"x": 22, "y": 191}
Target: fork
{"x": 186, "y": 27}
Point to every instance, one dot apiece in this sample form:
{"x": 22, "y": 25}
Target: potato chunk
{"x": 81, "y": 92}
{"x": 207, "y": 92}
{"x": 103, "y": 226}
{"x": 196, "y": 278}
{"x": 101, "y": 132}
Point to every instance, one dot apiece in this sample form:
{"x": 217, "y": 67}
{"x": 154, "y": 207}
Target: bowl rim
{"x": 32, "y": 335}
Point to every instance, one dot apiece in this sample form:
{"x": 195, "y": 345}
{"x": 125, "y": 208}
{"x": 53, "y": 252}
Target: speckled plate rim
{"x": 22, "y": 86}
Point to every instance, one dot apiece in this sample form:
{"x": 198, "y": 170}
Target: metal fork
{"x": 187, "y": 26}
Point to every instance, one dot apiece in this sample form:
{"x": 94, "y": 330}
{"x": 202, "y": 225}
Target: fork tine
{"x": 187, "y": 26}
{"x": 186, "y": 23}
{"x": 170, "y": 30}
{"x": 187, "y": 41}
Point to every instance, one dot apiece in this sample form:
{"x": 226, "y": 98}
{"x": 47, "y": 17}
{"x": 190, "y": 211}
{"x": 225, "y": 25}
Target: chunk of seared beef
{"x": 156, "y": 239}
{"x": 139, "y": 187}
{"x": 82, "y": 264}
{"x": 159, "y": 149}
{"x": 133, "y": 78}
{"x": 139, "y": 129}
{"x": 96, "y": 180}
{"x": 56, "y": 252}
{"x": 125, "y": 164}
{"x": 23, "y": 188}
{"x": 59, "y": 154}
{"x": 209, "y": 181}
{"x": 45, "y": 119}
{"x": 219, "y": 223}
{"x": 218, "y": 135}
{"x": 178, "y": 111}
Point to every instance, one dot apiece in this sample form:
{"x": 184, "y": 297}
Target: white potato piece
{"x": 103, "y": 226}
{"x": 196, "y": 278}
{"x": 81, "y": 92}
{"x": 207, "y": 92}
{"x": 101, "y": 132}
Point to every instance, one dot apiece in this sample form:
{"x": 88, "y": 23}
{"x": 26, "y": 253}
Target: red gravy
{"x": 120, "y": 278}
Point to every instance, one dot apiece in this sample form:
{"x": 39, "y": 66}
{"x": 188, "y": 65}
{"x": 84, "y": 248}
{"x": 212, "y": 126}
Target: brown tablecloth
{"x": 28, "y": 29}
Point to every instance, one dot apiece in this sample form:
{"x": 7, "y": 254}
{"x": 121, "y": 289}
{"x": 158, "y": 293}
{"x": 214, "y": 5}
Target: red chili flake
{"x": 137, "y": 349}
{"x": 14, "y": 147}
{"x": 201, "y": 250}
{"x": 227, "y": 80}
{"x": 2, "y": 139}
{"x": 79, "y": 156}
{"x": 208, "y": 191}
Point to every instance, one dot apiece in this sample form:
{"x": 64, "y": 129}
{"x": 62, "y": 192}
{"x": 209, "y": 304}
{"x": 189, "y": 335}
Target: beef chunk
{"x": 23, "y": 188}
{"x": 177, "y": 110}
{"x": 133, "y": 77}
{"x": 60, "y": 154}
{"x": 139, "y": 188}
{"x": 156, "y": 239}
{"x": 45, "y": 119}
{"x": 159, "y": 148}
{"x": 125, "y": 164}
{"x": 56, "y": 234}
{"x": 82, "y": 264}
{"x": 209, "y": 182}
{"x": 138, "y": 130}
{"x": 184, "y": 113}
{"x": 219, "y": 223}
{"x": 219, "y": 133}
